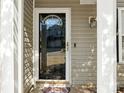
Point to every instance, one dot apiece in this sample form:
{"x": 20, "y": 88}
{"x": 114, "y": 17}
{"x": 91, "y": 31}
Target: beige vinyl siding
{"x": 84, "y": 55}
{"x": 120, "y": 3}
{"x": 28, "y": 42}
{"x": 120, "y": 68}
{"x": 120, "y": 75}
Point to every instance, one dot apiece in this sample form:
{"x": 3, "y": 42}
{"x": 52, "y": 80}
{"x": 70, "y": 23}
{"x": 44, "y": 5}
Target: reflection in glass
{"x": 52, "y": 46}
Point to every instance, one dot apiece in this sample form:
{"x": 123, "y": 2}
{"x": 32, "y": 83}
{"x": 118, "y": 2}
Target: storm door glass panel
{"x": 52, "y": 46}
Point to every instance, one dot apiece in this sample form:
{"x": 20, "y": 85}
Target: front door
{"x": 52, "y": 44}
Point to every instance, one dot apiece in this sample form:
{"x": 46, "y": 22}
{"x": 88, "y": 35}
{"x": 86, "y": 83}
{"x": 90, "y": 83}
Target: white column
{"x": 106, "y": 46}
{"x": 8, "y": 46}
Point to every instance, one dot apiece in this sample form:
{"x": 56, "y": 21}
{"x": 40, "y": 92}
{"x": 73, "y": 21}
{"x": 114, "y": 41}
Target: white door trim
{"x": 67, "y": 11}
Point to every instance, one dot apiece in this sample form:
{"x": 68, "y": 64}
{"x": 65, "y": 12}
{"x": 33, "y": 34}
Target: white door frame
{"x": 37, "y": 11}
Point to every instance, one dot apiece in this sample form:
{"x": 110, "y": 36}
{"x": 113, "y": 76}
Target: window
{"x": 121, "y": 35}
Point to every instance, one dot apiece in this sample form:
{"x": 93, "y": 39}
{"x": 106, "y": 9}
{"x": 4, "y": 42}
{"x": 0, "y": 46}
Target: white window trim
{"x": 67, "y": 11}
{"x": 120, "y": 9}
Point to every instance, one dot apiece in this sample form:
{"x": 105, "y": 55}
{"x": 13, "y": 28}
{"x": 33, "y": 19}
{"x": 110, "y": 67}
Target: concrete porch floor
{"x": 76, "y": 88}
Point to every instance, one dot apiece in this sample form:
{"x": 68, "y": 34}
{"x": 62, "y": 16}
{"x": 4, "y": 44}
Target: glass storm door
{"x": 52, "y": 46}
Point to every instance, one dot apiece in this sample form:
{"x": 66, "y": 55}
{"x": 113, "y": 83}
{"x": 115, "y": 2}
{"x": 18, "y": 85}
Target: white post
{"x": 10, "y": 34}
{"x": 106, "y": 46}
{"x": 6, "y": 47}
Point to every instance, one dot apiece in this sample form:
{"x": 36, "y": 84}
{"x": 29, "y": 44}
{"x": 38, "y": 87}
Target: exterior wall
{"x": 84, "y": 55}
{"x": 28, "y": 44}
{"x": 120, "y": 68}
{"x": 120, "y": 3}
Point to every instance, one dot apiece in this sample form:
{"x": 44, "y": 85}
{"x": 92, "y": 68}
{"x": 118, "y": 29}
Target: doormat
{"x": 55, "y": 90}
